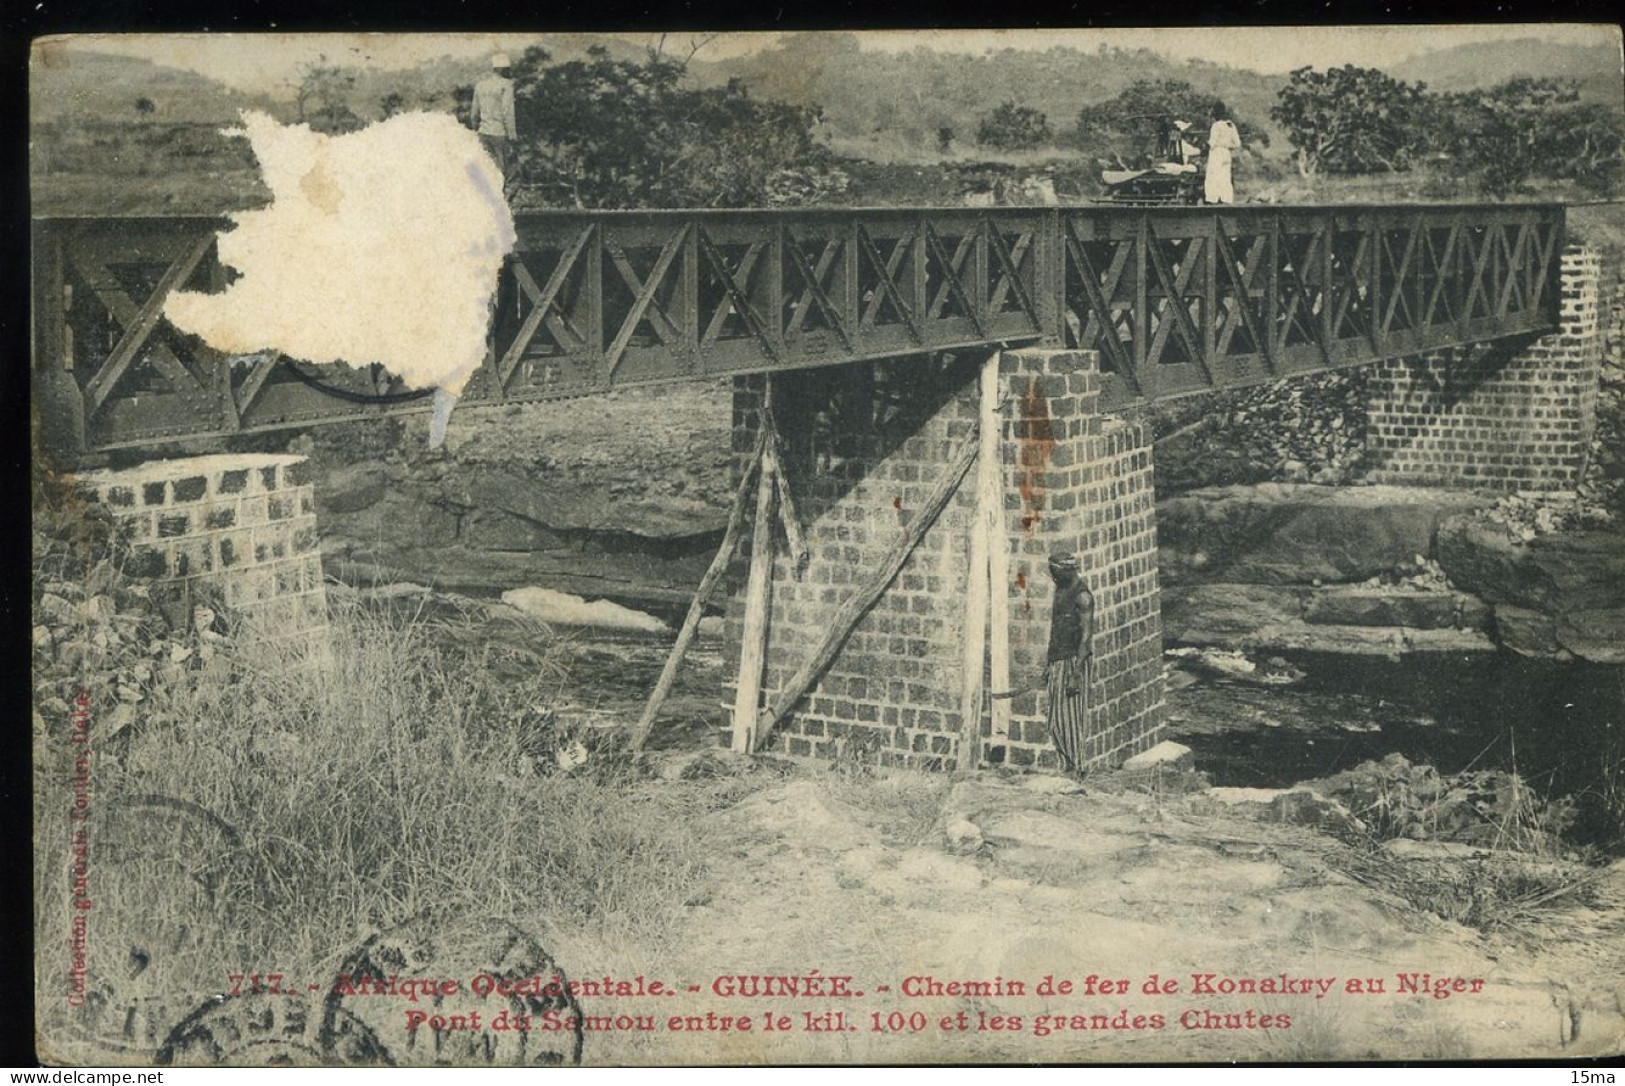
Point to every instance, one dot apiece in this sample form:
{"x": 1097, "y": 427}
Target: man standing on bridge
{"x": 493, "y": 113}
{"x": 1071, "y": 651}
{"x": 1223, "y": 141}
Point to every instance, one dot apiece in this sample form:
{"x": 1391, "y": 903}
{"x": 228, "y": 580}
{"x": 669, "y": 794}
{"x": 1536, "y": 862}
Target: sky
{"x": 266, "y": 63}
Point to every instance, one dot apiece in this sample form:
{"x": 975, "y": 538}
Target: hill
{"x": 1596, "y": 68}
{"x": 73, "y": 84}
{"x": 904, "y": 99}
{"x": 116, "y": 132}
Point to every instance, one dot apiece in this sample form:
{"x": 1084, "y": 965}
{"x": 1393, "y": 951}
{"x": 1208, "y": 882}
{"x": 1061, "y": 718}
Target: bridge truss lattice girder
{"x": 1175, "y": 300}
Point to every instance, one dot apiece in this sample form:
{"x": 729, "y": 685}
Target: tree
{"x": 1585, "y": 144}
{"x": 322, "y": 98}
{"x": 602, "y": 132}
{"x": 1013, "y": 127}
{"x": 1350, "y": 119}
{"x": 945, "y": 139}
{"x": 1133, "y": 123}
{"x": 1529, "y": 127}
{"x": 145, "y": 106}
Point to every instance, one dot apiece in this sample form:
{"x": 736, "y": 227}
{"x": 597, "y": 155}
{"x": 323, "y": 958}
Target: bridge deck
{"x": 1176, "y": 300}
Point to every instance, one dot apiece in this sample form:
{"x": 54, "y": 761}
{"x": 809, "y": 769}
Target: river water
{"x": 1561, "y": 726}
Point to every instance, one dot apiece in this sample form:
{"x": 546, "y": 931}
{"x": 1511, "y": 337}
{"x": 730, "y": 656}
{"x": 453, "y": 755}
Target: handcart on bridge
{"x": 1157, "y": 186}
{"x": 1174, "y": 175}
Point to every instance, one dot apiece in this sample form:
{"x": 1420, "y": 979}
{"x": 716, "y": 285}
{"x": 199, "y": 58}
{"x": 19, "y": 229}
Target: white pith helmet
{"x": 501, "y": 60}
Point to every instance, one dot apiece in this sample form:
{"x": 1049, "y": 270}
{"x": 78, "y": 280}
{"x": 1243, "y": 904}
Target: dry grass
{"x": 904, "y": 804}
{"x": 293, "y": 808}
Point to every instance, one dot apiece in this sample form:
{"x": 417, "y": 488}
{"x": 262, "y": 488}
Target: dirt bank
{"x": 851, "y": 875}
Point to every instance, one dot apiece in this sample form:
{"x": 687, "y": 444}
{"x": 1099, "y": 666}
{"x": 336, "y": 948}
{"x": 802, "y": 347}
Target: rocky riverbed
{"x": 1383, "y": 570}
{"x": 620, "y": 497}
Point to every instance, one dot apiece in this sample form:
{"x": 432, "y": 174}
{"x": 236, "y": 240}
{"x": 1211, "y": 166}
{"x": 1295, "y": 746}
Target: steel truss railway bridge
{"x": 923, "y": 341}
{"x": 1175, "y": 300}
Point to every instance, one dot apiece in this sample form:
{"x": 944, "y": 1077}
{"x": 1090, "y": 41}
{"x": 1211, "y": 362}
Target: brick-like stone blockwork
{"x": 1090, "y": 493}
{"x": 243, "y": 523}
{"x": 1497, "y": 416}
{"x": 864, "y": 446}
{"x": 1614, "y": 314}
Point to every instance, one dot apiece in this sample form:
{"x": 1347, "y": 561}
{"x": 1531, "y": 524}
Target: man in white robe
{"x": 1222, "y": 142}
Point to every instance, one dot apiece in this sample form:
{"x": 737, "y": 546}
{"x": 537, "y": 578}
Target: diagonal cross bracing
{"x": 1247, "y": 293}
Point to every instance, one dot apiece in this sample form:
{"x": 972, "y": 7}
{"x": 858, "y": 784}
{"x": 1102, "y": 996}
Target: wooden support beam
{"x": 799, "y": 551}
{"x": 858, "y": 604}
{"x": 758, "y": 601}
{"x": 696, "y": 609}
{"x": 998, "y": 563}
{"x": 985, "y": 535}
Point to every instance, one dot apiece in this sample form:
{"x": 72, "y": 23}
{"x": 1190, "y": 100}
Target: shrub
{"x": 1013, "y": 127}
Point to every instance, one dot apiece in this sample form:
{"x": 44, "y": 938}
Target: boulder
{"x": 1234, "y": 797}
{"x": 925, "y": 867}
{"x": 1526, "y": 632}
{"x": 628, "y": 578}
{"x": 1283, "y": 533}
{"x": 493, "y": 529}
{"x": 713, "y": 763}
{"x": 1406, "y": 848}
{"x": 1384, "y": 607}
{"x": 1296, "y": 635}
{"x": 401, "y": 519}
{"x": 1555, "y": 573}
{"x": 1052, "y": 786}
{"x": 1306, "y": 808}
{"x": 1038, "y": 829}
{"x": 1208, "y": 613}
{"x": 1475, "y": 614}
{"x": 1165, "y": 755}
{"x": 578, "y": 503}
{"x": 804, "y": 814}
{"x": 1391, "y": 641}
{"x": 962, "y": 835}
{"x": 615, "y": 497}
{"x": 1595, "y": 634}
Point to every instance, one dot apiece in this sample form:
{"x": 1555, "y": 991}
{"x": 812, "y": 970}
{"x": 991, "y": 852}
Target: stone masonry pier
{"x": 1506, "y": 415}
{"x": 863, "y": 445}
{"x": 244, "y": 525}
